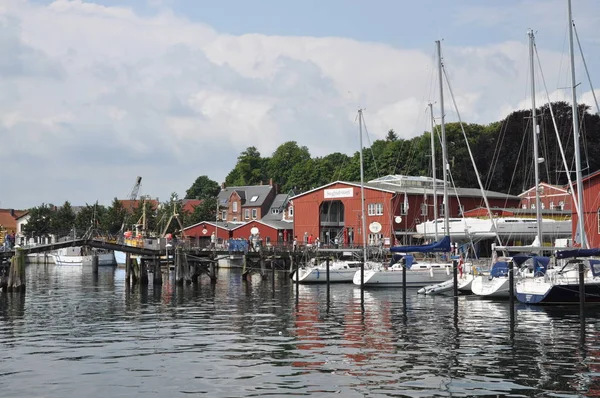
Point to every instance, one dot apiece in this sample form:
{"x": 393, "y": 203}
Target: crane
{"x": 136, "y": 188}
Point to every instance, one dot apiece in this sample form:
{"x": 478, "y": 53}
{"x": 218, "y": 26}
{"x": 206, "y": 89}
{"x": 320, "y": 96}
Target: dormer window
{"x": 274, "y": 211}
{"x": 254, "y": 198}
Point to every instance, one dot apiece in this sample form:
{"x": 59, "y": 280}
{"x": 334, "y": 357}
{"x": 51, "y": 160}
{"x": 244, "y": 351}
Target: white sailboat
{"x": 417, "y": 274}
{"x": 562, "y": 284}
{"x": 497, "y": 283}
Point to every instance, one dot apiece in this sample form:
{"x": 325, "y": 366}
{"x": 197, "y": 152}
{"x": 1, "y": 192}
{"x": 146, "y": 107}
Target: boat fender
{"x": 431, "y": 272}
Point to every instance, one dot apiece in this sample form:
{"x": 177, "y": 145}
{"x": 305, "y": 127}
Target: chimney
{"x": 223, "y": 185}
{"x": 12, "y": 212}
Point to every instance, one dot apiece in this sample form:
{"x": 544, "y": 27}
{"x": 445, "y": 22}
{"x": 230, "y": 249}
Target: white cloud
{"x": 92, "y": 96}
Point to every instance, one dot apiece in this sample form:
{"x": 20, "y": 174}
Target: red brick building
{"x": 552, "y": 197}
{"x": 394, "y": 205}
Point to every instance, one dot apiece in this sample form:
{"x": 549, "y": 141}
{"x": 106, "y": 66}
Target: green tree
{"x": 249, "y": 169}
{"x": 284, "y": 159}
{"x": 64, "y": 220}
{"x": 114, "y": 218}
{"x": 89, "y": 216}
{"x": 205, "y": 211}
{"x": 391, "y": 135}
{"x": 40, "y": 220}
{"x": 203, "y": 188}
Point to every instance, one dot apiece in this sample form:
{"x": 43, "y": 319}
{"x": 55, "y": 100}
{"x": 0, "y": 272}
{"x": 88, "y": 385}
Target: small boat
{"x": 464, "y": 280}
{"x": 74, "y": 256}
{"x": 560, "y": 285}
{"x": 497, "y": 283}
{"x": 339, "y": 271}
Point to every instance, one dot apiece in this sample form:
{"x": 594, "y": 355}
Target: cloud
{"x": 92, "y": 96}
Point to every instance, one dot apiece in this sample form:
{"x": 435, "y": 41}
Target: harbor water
{"x": 74, "y": 334}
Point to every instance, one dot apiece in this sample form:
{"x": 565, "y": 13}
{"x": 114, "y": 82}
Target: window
{"x": 423, "y": 209}
{"x": 234, "y": 207}
{"x": 523, "y": 206}
{"x": 375, "y": 239}
{"x": 375, "y": 209}
{"x": 551, "y": 205}
{"x": 542, "y": 205}
{"x": 533, "y": 205}
{"x": 291, "y": 211}
{"x": 404, "y": 209}
{"x": 441, "y": 211}
{"x": 254, "y": 214}
{"x": 246, "y": 214}
{"x": 561, "y": 204}
{"x": 234, "y": 219}
{"x": 224, "y": 215}
{"x": 254, "y": 198}
{"x": 274, "y": 211}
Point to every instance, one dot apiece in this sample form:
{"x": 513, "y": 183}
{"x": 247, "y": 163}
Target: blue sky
{"x": 101, "y": 91}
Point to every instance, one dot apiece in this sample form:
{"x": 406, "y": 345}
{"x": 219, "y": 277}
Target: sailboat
{"x": 342, "y": 270}
{"x": 562, "y": 284}
{"x": 497, "y": 283}
{"x": 417, "y": 274}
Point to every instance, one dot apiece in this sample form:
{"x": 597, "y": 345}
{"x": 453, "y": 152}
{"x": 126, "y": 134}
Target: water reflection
{"x": 73, "y": 330}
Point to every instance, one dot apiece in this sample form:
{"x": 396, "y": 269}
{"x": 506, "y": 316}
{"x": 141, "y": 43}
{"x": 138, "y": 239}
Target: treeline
{"x": 502, "y": 151}
{"x": 63, "y": 220}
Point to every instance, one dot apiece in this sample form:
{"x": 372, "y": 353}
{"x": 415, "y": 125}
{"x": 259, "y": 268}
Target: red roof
{"x": 7, "y": 220}
{"x": 188, "y": 205}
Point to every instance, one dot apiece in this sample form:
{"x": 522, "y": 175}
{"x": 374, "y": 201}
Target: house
{"x": 188, "y": 205}
{"x": 590, "y": 210}
{"x": 245, "y": 203}
{"x": 201, "y": 232}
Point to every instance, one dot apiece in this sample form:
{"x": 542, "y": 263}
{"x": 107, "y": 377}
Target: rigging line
{"x": 586, "y": 69}
{"x": 471, "y": 156}
{"x": 364, "y": 122}
{"x": 562, "y": 152}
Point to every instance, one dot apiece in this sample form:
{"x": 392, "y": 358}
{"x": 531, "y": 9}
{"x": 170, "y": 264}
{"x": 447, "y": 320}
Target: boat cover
{"x": 577, "y": 253}
{"x": 540, "y": 263}
{"x": 500, "y": 268}
{"x": 440, "y": 246}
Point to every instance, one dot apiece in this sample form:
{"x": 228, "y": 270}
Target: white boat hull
{"x": 416, "y": 276}
{"x": 339, "y": 271}
{"x": 104, "y": 259}
{"x": 464, "y": 286}
{"x": 485, "y": 286}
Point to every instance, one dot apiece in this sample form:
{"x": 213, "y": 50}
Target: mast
{"x": 444, "y": 149}
{"x": 535, "y": 134}
{"x": 578, "y": 177}
{"x": 362, "y": 202}
{"x": 434, "y": 176}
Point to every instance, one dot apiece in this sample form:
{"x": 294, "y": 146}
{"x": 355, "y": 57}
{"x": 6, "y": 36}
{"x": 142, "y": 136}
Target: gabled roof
{"x": 218, "y": 224}
{"x": 270, "y": 224}
{"x": 247, "y": 194}
{"x": 543, "y": 184}
{"x": 354, "y": 184}
{"x": 131, "y": 205}
{"x": 8, "y": 220}
{"x": 279, "y": 204}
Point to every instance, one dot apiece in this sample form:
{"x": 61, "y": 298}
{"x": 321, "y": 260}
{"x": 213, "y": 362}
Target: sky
{"x": 95, "y": 93}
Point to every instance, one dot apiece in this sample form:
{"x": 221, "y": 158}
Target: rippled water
{"x": 74, "y": 334}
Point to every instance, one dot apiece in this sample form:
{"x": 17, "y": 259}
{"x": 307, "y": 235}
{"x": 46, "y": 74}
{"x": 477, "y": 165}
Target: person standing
{"x": 295, "y": 244}
{"x": 213, "y": 241}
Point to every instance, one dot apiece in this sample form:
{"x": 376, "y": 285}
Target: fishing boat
{"x": 75, "y": 256}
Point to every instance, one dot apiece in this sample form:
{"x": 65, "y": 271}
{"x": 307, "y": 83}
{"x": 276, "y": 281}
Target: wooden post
{"x": 144, "y": 273}
{"x": 187, "y": 271}
{"x": 178, "y": 267}
{"x": 455, "y": 276}
{"x": 135, "y": 271}
{"x": 244, "y": 265}
{"x": 263, "y": 268}
{"x": 213, "y": 269}
{"x": 128, "y": 269}
{"x": 95, "y": 263}
{"x": 327, "y": 277}
{"x": 16, "y": 274}
{"x": 157, "y": 274}
{"x": 273, "y": 278}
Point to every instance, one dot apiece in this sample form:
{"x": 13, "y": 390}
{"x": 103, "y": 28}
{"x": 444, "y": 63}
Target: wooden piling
{"x": 128, "y": 269}
{"x": 95, "y": 263}
{"x": 143, "y": 281}
{"x": 455, "y": 277}
{"x": 213, "y": 269}
{"x": 263, "y": 268}
{"x": 157, "y": 273}
{"x": 328, "y": 280}
{"x": 244, "y": 267}
{"x": 273, "y": 279}
{"x": 16, "y": 274}
{"x": 178, "y": 266}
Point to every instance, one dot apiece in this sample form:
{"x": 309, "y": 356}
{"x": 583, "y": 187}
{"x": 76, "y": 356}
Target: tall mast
{"x": 580, "y": 220}
{"x": 362, "y": 201}
{"x": 535, "y": 134}
{"x": 433, "y": 173}
{"x": 444, "y": 149}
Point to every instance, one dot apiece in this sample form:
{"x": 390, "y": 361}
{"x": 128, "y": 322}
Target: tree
{"x": 203, "y": 188}
{"x": 64, "y": 220}
{"x": 284, "y": 159}
{"x": 114, "y": 218}
{"x": 89, "y": 216}
{"x": 40, "y": 220}
{"x": 391, "y": 135}
{"x": 249, "y": 169}
{"x": 205, "y": 211}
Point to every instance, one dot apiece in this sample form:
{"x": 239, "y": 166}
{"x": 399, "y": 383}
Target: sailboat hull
{"x": 485, "y": 286}
{"x": 414, "y": 277}
{"x": 547, "y": 293}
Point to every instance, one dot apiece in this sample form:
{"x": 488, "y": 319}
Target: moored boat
{"x": 339, "y": 271}
{"x": 74, "y": 256}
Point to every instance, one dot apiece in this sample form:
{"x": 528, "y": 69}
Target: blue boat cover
{"x": 577, "y": 253}
{"x": 441, "y": 246}
{"x": 540, "y": 263}
{"x": 500, "y": 268}
{"x": 595, "y": 267}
